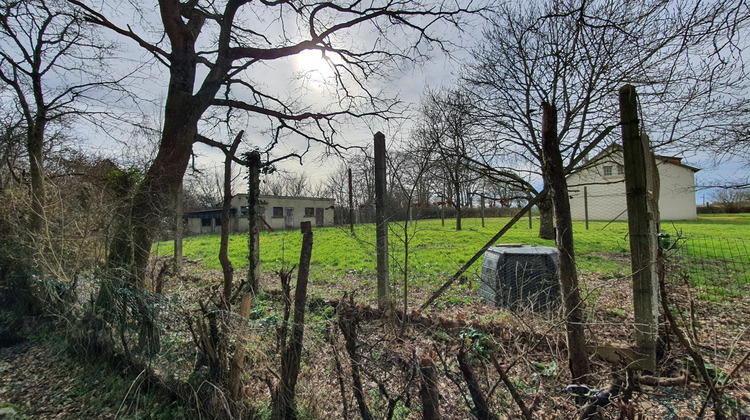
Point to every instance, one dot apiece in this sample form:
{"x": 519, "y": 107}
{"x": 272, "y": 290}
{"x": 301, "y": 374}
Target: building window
{"x": 206, "y": 222}
{"x": 309, "y": 212}
{"x": 620, "y": 170}
{"x": 607, "y": 171}
{"x": 218, "y": 221}
{"x": 278, "y": 212}
{"x": 243, "y": 210}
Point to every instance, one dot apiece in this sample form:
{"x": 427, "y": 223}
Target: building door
{"x": 289, "y": 220}
{"x": 319, "y": 219}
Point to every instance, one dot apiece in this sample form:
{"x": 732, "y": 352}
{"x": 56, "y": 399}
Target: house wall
{"x": 606, "y": 193}
{"x": 297, "y": 204}
{"x": 195, "y": 225}
{"x": 677, "y": 192}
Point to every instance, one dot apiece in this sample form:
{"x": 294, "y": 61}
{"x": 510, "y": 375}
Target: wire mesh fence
{"x": 717, "y": 265}
{"x": 708, "y": 276}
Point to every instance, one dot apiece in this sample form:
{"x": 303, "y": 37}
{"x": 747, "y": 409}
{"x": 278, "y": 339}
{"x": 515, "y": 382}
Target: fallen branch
{"x": 511, "y": 388}
{"x": 700, "y": 365}
{"x": 480, "y": 403}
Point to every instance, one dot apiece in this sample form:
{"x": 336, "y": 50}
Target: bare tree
{"x": 214, "y": 46}
{"x": 574, "y": 55}
{"x": 733, "y": 200}
{"x": 204, "y": 186}
{"x": 286, "y": 183}
{"x": 447, "y": 127}
{"x": 11, "y": 152}
{"x": 407, "y": 170}
{"x": 52, "y": 64}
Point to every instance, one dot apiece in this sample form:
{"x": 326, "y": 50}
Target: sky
{"x": 406, "y": 82}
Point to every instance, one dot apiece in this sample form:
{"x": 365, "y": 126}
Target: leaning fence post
{"x": 642, "y": 228}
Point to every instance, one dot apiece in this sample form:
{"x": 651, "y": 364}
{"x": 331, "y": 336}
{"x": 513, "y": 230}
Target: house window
{"x": 206, "y": 222}
{"x": 607, "y": 171}
{"x": 218, "y": 221}
{"x": 309, "y": 212}
{"x": 620, "y": 170}
{"x": 243, "y": 210}
{"x": 278, "y": 212}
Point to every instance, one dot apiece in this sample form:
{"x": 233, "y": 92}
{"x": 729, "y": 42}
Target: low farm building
{"x": 276, "y": 213}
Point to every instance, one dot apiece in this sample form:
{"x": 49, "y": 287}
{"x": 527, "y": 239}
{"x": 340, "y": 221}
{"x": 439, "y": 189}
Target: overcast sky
{"x": 408, "y": 83}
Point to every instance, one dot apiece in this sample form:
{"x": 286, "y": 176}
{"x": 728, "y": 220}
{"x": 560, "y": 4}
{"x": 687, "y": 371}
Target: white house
{"x": 604, "y": 182}
{"x": 276, "y": 212}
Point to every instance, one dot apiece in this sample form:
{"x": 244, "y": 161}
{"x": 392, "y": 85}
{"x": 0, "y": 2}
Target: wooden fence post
{"x": 381, "y": 223}
{"x": 351, "y": 203}
{"x": 253, "y": 233}
{"x": 530, "y": 220}
{"x": 178, "y": 229}
{"x": 428, "y": 390}
{"x": 586, "y": 206}
{"x": 481, "y": 203}
{"x": 639, "y": 176}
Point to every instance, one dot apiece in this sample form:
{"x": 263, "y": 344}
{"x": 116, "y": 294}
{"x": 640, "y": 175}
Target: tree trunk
{"x": 130, "y": 250}
{"x": 552, "y": 160}
{"x": 35, "y": 149}
{"x": 546, "y": 217}
{"x": 457, "y": 205}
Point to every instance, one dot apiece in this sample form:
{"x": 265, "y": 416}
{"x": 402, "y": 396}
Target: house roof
{"x": 290, "y": 197}
{"x": 614, "y": 147}
{"x": 213, "y": 212}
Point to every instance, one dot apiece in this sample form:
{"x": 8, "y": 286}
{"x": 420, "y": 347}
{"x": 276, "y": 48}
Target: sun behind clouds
{"x": 316, "y": 68}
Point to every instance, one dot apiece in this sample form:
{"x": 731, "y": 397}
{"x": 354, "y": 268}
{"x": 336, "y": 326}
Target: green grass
{"x": 437, "y": 251}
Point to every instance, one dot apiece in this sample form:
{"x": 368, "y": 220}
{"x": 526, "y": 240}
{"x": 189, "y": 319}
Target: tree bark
{"x": 546, "y": 216}
{"x": 253, "y": 234}
{"x": 130, "y": 250}
{"x": 553, "y": 167}
{"x": 35, "y": 149}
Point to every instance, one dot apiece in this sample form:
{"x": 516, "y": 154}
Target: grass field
{"x": 436, "y": 251}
